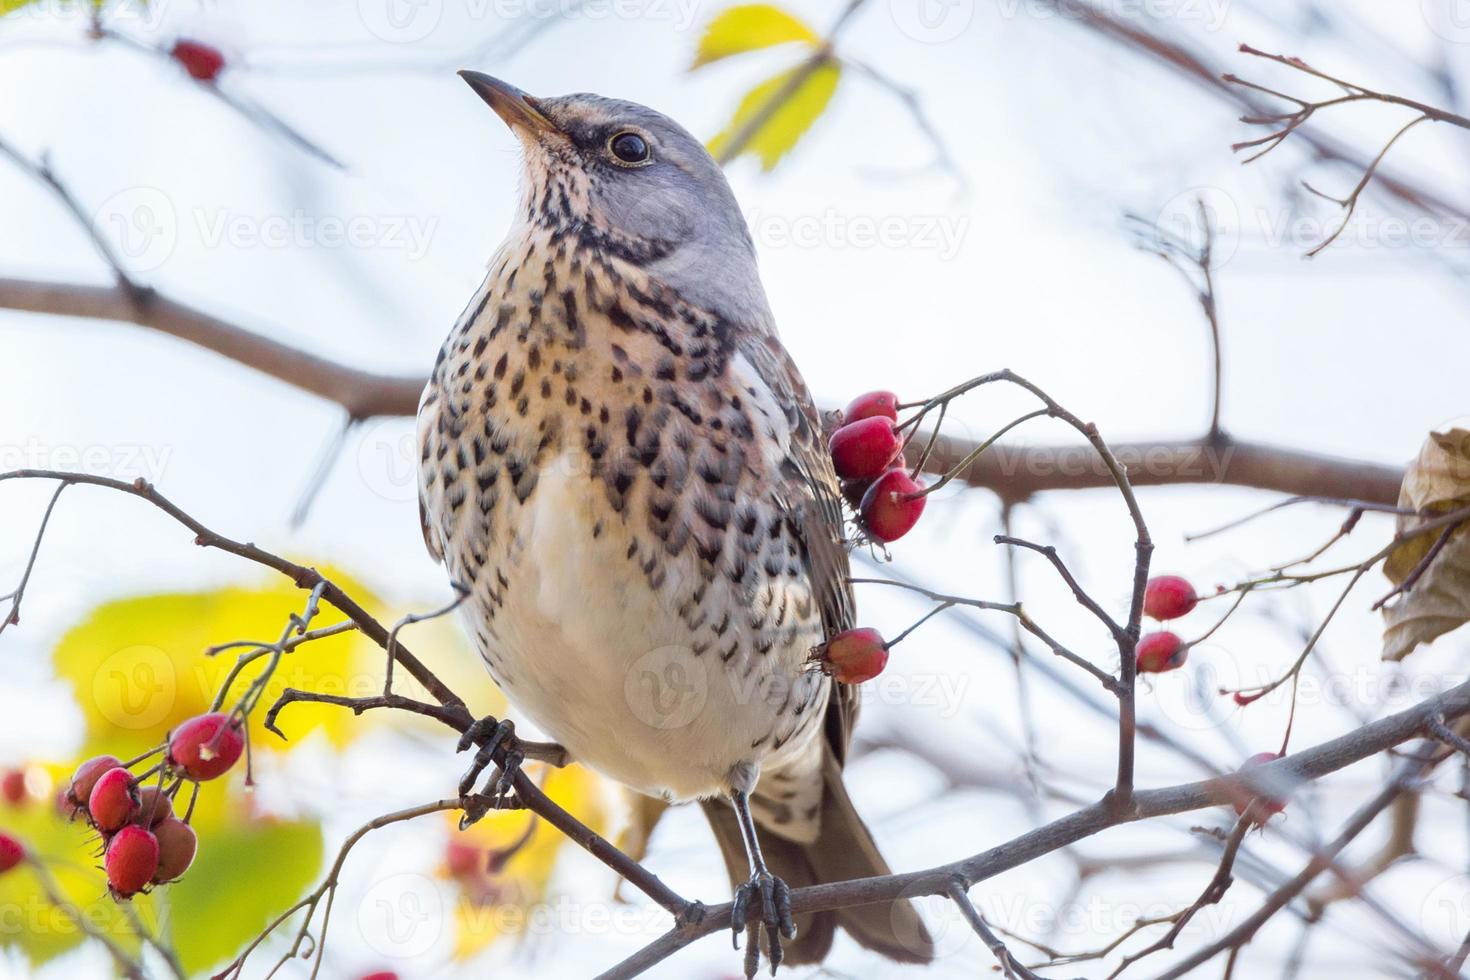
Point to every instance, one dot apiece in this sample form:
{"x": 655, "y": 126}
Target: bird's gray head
{"x": 637, "y": 184}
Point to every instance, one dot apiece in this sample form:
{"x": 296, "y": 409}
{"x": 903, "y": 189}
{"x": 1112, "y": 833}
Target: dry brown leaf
{"x": 1437, "y": 482}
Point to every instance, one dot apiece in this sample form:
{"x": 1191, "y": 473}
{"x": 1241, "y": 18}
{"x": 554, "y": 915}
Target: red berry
{"x": 863, "y": 449}
{"x": 85, "y": 778}
{"x": 874, "y": 403}
{"x": 131, "y": 861}
{"x": 206, "y": 746}
{"x": 1168, "y": 597}
{"x": 177, "y": 844}
{"x": 381, "y": 975}
{"x": 202, "y": 61}
{"x": 1268, "y": 805}
{"x": 154, "y": 807}
{"x": 463, "y": 860}
{"x": 892, "y": 505}
{"x": 1160, "y": 652}
{"x": 13, "y": 787}
{"x": 856, "y": 655}
{"x": 114, "y": 800}
{"x": 12, "y": 852}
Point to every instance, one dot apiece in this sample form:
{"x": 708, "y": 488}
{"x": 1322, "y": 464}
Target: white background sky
{"x": 1358, "y": 353}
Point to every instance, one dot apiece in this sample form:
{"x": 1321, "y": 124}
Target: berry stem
{"x": 146, "y": 755}
{"x": 974, "y": 454}
{"x": 947, "y": 604}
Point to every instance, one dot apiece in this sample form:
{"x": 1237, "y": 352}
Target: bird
{"x": 623, "y": 471}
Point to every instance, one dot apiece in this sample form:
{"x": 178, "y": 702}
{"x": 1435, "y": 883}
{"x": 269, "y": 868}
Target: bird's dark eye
{"x": 629, "y": 148}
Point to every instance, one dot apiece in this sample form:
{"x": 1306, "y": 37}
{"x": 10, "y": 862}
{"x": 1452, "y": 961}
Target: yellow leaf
{"x": 1438, "y": 481}
{"x": 749, "y": 27}
{"x": 496, "y": 904}
{"x": 137, "y": 667}
{"x": 773, "y": 116}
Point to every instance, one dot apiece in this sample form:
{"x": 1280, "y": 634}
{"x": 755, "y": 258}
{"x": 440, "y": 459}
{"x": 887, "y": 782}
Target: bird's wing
{"x": 428, "y": 431}
{"x": 813, "y": 500}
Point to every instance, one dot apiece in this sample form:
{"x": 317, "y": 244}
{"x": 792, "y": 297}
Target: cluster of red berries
{"x": 1165, "y": 597}
{"x": 867, "y": 452}
{"x": 144, "y": 842}
{"x": 202, "y": 61}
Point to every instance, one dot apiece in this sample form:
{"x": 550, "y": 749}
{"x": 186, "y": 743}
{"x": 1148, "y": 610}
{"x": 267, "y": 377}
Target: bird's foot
{"x": 490, "y": 735}
{"x": 763, "y": 902}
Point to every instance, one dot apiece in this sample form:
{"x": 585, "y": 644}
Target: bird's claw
{"x": 491, "y": 734}
{"x": 770, "y": 898}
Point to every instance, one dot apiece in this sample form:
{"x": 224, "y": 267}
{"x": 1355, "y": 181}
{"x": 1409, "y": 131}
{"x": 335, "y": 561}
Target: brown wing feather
{"x": 814, "y": 499}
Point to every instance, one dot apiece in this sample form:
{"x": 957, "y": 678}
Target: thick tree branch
{"x": 361, "y": 394}
{"x": 1014, "y": 472}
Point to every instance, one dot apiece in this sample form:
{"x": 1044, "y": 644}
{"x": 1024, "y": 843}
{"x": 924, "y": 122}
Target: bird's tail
{"x": 843, "y": 850}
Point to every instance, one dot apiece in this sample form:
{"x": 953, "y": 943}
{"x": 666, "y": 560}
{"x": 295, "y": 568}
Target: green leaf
{"x": 40, "y": 931}
{"x": 749, "y": 27}
{"x": 244, "y": 876}
{"x": 10, "y": 6}
{"x": 773, "y": 116}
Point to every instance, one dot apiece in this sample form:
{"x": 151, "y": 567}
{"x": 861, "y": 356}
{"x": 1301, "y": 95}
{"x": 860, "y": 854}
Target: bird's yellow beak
{"x": 511, "y": 104}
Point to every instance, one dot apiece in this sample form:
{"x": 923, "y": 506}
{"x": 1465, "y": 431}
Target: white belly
{"x": 603, "y": 663}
